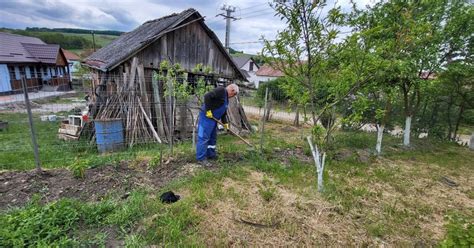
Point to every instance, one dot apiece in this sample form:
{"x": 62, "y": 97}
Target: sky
{"x": 255, "y": 18}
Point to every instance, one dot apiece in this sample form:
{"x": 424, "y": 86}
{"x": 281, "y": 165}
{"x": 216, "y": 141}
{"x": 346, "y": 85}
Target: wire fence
{"x": 64, "y": 120}
{"x": 65, "y": 129}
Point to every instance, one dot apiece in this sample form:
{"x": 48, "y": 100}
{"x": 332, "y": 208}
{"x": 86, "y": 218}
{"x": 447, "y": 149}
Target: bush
{"x": 274, "y": 90}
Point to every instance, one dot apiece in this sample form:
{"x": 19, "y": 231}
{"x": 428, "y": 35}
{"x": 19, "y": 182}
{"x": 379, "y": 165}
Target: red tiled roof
{"x": 268, "y": 71}
{"x": 70, "y": 55}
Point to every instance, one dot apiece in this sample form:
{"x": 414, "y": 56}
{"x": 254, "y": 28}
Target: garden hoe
{"x": 234, "y": 133}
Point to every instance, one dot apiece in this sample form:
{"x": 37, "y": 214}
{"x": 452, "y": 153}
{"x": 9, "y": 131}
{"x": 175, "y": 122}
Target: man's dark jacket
{"x": 214, "y": 99}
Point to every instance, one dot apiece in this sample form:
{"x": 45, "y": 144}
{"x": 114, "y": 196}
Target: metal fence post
{"x": 32, "y": 129}
{"x": 263, "y": 120}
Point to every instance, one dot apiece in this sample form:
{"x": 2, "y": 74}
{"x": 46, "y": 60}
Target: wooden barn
{"x": 125, "y": 69}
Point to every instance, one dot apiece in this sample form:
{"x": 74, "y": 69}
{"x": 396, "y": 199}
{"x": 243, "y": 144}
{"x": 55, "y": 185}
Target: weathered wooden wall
{"x": 188, "y": 46}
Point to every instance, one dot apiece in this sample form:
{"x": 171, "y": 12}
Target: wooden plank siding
{"x": 188, "y": 46}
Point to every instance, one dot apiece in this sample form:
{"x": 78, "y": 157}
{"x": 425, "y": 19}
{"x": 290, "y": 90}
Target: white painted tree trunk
{"x": 378, "y": 146}
{"x": 471, "y": 142}
{"x": 319, "y": 162}
{"x": 406, "y": 133}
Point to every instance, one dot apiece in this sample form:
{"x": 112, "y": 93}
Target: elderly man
{"x": 215, "y": 106}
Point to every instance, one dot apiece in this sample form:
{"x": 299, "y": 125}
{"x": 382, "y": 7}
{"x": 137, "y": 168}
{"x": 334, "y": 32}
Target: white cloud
{"x": 257, "y": 18}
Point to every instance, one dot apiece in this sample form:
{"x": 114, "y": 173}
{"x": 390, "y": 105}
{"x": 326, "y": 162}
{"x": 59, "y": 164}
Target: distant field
{"x": 100, "y": 39}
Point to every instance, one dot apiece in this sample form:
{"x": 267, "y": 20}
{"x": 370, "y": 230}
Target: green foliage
{"x": 64, "y": 222}
{"x": 174, "y": 80}
{"x": 134, "y": 241}
{"x": 74, "y": 31}
{"x": 65, "y": 41}
{"x": 460, "y": 231}
{"x": 275, "y": 91}
{"x": 127, "y": 214}
{"x": 267, "y": 194}
{"x": 79, "y": 167}
{"x": 40, "y": 226}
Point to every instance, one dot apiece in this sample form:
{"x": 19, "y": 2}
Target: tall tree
{"x": 412, "y": 37}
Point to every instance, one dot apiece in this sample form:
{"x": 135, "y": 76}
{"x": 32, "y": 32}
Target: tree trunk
{"x": 319, "y": 160}
{"x": 269, "y": 108}
{"x": 406, "y": 133}
{"x": 183, "y": 119}
{"x": 458, "y": 121}
{"x": 378, "y": 146}
{"x": 296, "y": 122}
{"x": 471, "y": 142}
{"x": 448, "y": 116}
{"x": 381, "y": 127}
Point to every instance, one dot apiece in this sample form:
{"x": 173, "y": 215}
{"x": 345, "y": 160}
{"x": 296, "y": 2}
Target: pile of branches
{"x": 127, "y": 104}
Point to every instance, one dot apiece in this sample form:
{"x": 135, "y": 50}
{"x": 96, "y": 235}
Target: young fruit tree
{"x": 307, "y": 51}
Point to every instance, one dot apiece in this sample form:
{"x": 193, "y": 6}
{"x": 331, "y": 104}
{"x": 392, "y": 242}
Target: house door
{"x": 5, "y": 84}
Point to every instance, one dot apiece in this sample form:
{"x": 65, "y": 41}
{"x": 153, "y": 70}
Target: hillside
{"x": 76, "y": 40}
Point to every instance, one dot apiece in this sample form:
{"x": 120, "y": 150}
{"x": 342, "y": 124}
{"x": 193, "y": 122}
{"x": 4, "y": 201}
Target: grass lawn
{"x": 270, "y": 198}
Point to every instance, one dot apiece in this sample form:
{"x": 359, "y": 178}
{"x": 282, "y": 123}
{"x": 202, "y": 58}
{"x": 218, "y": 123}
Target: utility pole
{"x": 93, "y": 39}
{"x": 229, "y": 9}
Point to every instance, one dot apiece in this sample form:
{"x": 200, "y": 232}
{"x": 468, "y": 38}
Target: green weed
{"x": 460, "y": 231}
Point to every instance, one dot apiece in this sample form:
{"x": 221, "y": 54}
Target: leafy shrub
{"x": 79, "y": 167}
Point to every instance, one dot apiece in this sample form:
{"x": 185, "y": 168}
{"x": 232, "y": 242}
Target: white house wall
{"x": 246, "y": 67}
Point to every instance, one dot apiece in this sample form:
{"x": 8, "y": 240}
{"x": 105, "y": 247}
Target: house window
{"x": 27, "y": 72}
{"x": 35, "y": 72}
{"x": 17, "y": 73}
{"x": 53, "y": 72}
{"x": 251, "y": 66}
{"x": 11, "y": 71}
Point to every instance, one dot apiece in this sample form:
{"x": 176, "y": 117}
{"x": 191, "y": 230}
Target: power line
{"x": 251, "y": 16}
{"x": 254, "y": 11}
{"x": 253, "y": 6}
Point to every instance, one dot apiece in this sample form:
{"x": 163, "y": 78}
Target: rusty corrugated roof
{"x": 70, "y": 55}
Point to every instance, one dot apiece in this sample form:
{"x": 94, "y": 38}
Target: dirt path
{"x": 290, "y": 117}
{"x": 274, "y": 114}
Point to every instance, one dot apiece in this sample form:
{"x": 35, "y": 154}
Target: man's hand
{"x": 226, "y": 126}
{"x": 209, "y": 114}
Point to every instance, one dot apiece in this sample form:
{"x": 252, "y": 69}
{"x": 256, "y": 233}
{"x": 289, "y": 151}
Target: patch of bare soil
{"x": 288, "y": 219}
{"x": 18, "y": 187}
{"x": 297, "y": 153}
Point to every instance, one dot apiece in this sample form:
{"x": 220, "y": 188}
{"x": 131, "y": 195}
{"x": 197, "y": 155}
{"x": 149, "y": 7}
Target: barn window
{"x": 251, "y": 66}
